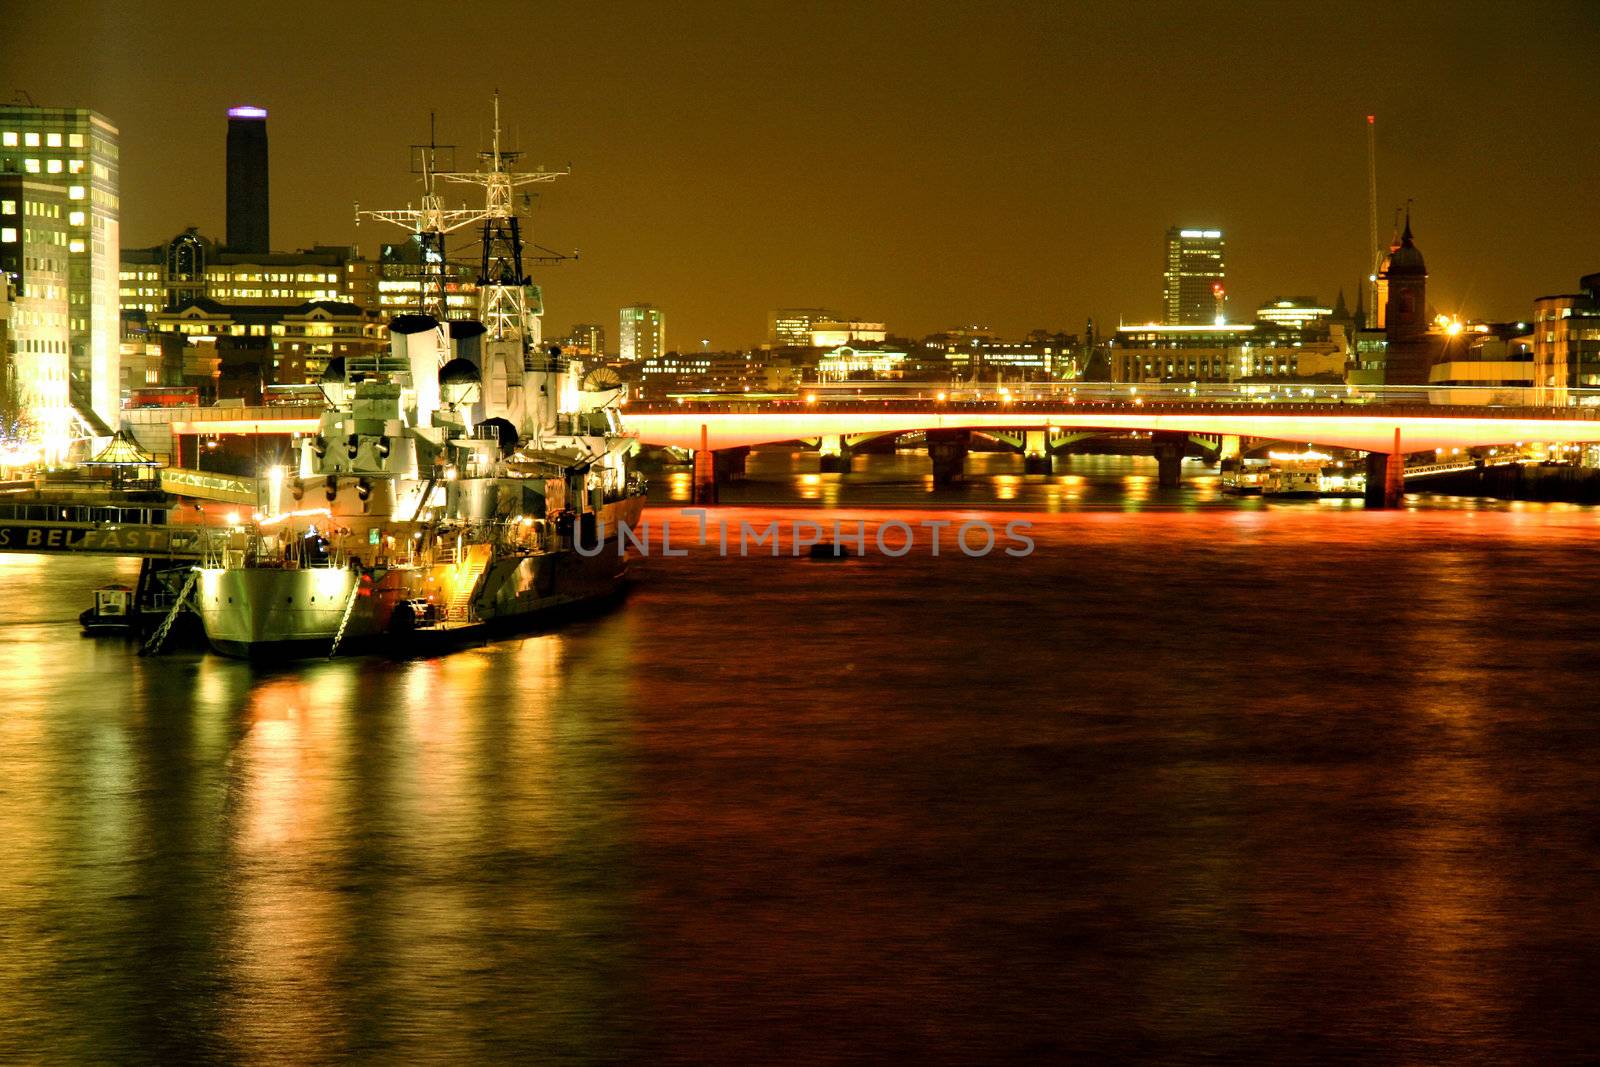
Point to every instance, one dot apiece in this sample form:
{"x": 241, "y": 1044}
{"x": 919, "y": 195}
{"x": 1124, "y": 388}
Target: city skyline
{"x": 1038, "y": 199}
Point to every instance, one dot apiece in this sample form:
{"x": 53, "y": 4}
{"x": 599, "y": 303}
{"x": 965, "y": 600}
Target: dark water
{"x": 1193, "y": 782}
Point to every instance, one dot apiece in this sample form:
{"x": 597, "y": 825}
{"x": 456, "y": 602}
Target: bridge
{"x": 719, "y": 433}
{"x": 1039, "y": 419}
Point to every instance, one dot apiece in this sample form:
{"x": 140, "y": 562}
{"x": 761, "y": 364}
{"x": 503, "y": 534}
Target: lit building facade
{"x": 401, "y": 270}
{"x": 1295, "y": 311}
{"x": 1232, "y": 352}
{"x": 976, "y": 351}
{"x": 1483, "y": 363}
{"x": 586, "y": 339}
{"x": 277, "y": 344}
{"x": 845, "y": 363}
{"x": 791, "y": 327}
{"x": 35, "y": 236}
{"x": 141, "y": 354}
{"x": 191, "y": 267}
{"x": 1566, "y": 343}
{"x": 75, "y": 151}
{"x": 831, "y": 333}
{"x": 1195, "y": 277}
{"x": 642, "y": 333}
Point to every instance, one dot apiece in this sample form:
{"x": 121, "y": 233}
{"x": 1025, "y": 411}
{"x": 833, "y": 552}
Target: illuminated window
{"x": 75, "y": 140}
{"x": 52, "y": 140}
{"x": 75, "y": 166}
{"x": 31, "y": 166}
{"x": 8, "y": 207}
{"x": 75, "y": 246}
{"x": 8, "y": 235}
{"x": 53, "y": 166}
{"x": 75, "y": 192}
{"x": 31, "y": 140}
{"x": 9, "y": 139}
{"x": 75, "y": 218}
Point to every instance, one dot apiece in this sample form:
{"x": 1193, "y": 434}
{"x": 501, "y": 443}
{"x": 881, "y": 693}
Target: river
{"x": 1197, "y": 780}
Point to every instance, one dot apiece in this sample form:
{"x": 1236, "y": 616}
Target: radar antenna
{"x": 506, "y": 305}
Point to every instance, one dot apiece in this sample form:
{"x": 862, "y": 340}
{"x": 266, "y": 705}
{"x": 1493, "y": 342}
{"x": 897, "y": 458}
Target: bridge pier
{"x": 1385, "y": 480}
{"x": 948, "y": 451}
{"x": 835, "y": 455}
{"x": 1169, "y": 459}
{"x": 704, "y": 486}
{"x": 705, "y": 477}
{"x": 1035, "y": 452}
{"x": 1386, "y": 477}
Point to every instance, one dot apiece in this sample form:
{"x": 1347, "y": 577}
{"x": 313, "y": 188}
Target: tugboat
{"x": 452, "y": 480}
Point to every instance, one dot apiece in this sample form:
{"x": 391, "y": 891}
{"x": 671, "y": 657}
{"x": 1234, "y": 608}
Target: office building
{"x": 586, "y": 339}
{"x": 1295, "y": 311}
{"x": 1566, "y": 342}
{"x": 257, "y": 345}
{"x": 73, "y": 151}
{"x": 831, "y": 333}
{"x": 1230, "y": 352}
{"x": 35, "y": 238}
{"x": 248, "y": 210}
{"x": 642, "y": 333}
{"x": 1195, "y": 278}
{"x": 791, "y": 327}
{"x": 190, "y": 266}
{"x": 402, "y": 271}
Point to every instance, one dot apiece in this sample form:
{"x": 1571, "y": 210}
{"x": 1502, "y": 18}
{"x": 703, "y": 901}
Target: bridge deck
{"x": 1367, "y": 427}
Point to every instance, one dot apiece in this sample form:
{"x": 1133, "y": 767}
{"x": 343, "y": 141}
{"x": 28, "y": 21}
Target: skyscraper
{"x": 248, "y": 229}
{"x": 1195, "y": 278}
{"x": 642, "y": 333}
{"x": 66, "y": 161}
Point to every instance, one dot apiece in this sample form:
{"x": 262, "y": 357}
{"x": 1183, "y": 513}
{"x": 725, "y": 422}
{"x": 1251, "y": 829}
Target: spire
{"x": 1405, "y": 238}
{"x": 1340, "y": 310}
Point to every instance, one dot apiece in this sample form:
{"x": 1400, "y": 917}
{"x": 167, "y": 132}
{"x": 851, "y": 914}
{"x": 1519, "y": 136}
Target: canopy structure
{"x": 122, "y": 452}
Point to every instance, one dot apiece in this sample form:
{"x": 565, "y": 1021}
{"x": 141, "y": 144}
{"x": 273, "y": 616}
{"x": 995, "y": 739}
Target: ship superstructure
{"x": 448, "y": 478}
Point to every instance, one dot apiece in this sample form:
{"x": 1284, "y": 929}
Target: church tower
{"x": 1405, "y": 312}
{"x": 1404, "y": 282}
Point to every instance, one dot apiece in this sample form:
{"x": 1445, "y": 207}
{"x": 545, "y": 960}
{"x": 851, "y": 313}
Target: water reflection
{"x": 1200, "y": 780}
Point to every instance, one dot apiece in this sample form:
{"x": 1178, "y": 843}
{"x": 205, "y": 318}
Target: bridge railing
{"x": 1139, "y": 393}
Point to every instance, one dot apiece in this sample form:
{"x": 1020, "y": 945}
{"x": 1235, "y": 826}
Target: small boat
{"x": 111, "y": 613}
{"x": 829, "y": 550}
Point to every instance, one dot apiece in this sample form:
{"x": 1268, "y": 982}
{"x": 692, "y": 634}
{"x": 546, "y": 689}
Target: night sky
{"x": 924, "y": 164}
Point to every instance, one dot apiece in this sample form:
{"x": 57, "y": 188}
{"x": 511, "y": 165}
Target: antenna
{"x": 1372, "y": 219}
{"x": 430, "y": 222}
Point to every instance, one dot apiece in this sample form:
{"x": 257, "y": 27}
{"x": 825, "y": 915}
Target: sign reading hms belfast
{"x": 441, "y": 495}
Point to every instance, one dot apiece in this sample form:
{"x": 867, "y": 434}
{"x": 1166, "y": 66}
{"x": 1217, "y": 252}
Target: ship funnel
{"x": 415, "y": 340}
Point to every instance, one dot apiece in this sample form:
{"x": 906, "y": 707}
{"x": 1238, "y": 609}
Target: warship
{"x": 452, "y": 475}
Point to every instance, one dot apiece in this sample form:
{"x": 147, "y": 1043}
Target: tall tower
{"x": 247, "y": 180}
{"x": 642, "y": 332}
{"x": 1195, "y": 273}
{"x": 1404, "y": 278}
{"x": 1405, "y": 312}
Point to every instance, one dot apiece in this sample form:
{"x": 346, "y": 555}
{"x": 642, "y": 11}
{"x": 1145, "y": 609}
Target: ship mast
{"x": 428, "y": 223}
{"x": 503, "y": 287}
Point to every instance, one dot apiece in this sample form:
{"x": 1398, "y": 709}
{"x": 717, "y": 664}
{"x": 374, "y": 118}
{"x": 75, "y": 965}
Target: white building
{"x": 74, "y": 150}
{"x": 642, "y": 333}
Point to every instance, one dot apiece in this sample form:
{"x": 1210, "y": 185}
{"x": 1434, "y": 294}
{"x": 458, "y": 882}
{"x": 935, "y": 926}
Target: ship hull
{"x": 272, "y": 614}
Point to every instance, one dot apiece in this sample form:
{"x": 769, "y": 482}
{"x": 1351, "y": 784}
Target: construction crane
{"x": 1372, "y": 221}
